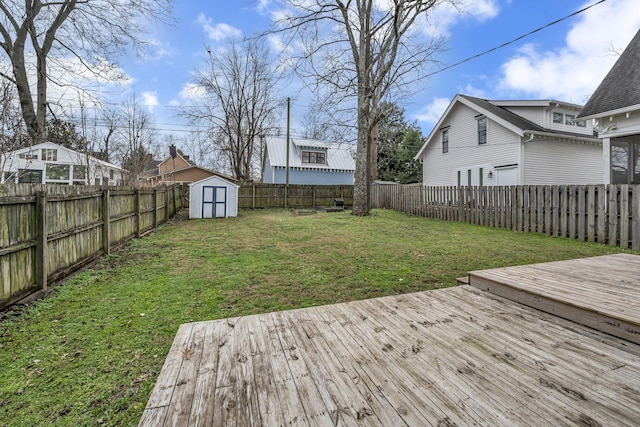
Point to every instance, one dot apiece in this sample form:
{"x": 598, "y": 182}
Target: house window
{"x": 316, "y": 157}
{"x": 625, "y": 160}
{"x": 29, "y": 176}
{"x": 9, "y": 177}
{"x": 79, "y": 172}
{"x": 111, "y": 174}
{"x": 445, "y": 141}
{"x": 568, "y": 119}
{"x": 482, "y": 130}
{"x": 49, "y": 155}
{"x": 58, "y": 172}
{"x": 28, "y": 156}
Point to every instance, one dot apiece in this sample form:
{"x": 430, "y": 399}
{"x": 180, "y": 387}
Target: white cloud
{"x": 572, "y": 72}
{"x": 157, "y": 51}
{"x": 471, "y": 90}
{"x": 150, "y": 100}
{"x": 446, "y": 15}
{"x": 192, "y": 91}
{"x": 218, "y": 31}
{"x": 432, "y": 112}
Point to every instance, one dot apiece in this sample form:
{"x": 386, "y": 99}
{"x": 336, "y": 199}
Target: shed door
{"x": 214, "y": 202}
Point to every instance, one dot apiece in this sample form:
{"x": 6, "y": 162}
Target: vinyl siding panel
{"x": 536, "y": 115}
{"x": 502, "y": 147}
{"x": 549, "y": 162}
{"x": 309, "y": 177}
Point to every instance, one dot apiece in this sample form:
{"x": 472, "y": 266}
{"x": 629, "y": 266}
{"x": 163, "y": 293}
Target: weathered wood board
{"x": 456, "y": 356}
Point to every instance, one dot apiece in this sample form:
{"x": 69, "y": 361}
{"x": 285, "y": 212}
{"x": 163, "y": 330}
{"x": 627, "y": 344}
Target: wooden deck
{"x": 601, "y": 292}
{"x": 457, "y": 356}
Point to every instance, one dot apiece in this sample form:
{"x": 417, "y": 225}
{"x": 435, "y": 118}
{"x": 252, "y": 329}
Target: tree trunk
{"x": 373, "y": 154}
{"x": 361, "y": 206}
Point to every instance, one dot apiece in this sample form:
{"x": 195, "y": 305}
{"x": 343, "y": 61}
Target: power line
{"x": 493, "y": 49}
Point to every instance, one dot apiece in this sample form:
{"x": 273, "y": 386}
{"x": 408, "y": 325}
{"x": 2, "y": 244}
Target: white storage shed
{"x": 213, "y": 197}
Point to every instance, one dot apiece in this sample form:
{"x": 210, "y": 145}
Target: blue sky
{"x": 564, "y": 62}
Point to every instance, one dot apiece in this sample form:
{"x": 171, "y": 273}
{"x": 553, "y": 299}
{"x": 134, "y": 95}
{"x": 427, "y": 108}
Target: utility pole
{"x": 286, "y": 185}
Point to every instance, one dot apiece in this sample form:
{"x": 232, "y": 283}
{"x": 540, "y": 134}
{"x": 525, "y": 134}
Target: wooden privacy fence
{"x": 255, "y": 196}
{"x": 608, "y": 214}
{"x": 47, "y": 232}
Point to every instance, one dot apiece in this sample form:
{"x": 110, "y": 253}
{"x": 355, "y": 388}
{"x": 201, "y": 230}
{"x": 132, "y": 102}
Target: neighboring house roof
{"x": 620, "y": 90}
{"x": 213, "y": 173}
{"x": 152, "y": 168}
{"x": 185, "y": 160}
{"x": 497, "y": 111}
{"x": 77, "y": 154}
{"x": 339, "y": 156}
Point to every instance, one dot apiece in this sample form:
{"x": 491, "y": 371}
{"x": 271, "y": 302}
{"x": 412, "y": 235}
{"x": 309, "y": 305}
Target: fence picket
{"x": 635, "y": 215}
{"x": 48, "y": 236}
{"x": 624, "y": 216}
{"x": 613, "y": 215}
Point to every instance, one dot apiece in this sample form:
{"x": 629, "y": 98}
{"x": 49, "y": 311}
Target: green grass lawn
{"x": 91, "y": 352}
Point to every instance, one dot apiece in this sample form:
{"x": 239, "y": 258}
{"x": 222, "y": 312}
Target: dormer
{"x": 312, "y": 153}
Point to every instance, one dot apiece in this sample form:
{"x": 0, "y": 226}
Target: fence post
{"x": 106, "y": 234}
{"x": 253, "y": 196}
{"x": 137, "y": 210}
{"x": 635, "y": 218}
{"x": 155, "y": 207}
{"x": 175, "y": 204}
{"x": 41, "y": 240}
{"x": 167, "y": 205}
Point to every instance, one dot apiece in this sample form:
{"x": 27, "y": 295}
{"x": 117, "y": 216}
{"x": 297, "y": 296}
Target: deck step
{"x": 602, "y": 293}
{"x": 462, "y": 280}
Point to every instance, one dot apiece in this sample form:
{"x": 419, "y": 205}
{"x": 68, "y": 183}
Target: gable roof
{"x": 182, "y": 170}
{"x": 339, "y": 156}
{"x": 186, "y": 161}
{"x": 497, "y": 112}
{"x": 77, "y": 154}
{"x": 620, "y": 88}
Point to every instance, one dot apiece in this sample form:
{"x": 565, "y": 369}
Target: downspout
{"x": 531, "y": 138}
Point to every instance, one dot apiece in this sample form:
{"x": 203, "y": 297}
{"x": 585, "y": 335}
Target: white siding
{"x": 502, "y": 147}
{"x": 548, "y": 162}
{"x": 536, "y": 115}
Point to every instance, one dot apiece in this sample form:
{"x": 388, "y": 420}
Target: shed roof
{"x": 214, "y": 178}
{"x": 339, "y": 156}
{"x": 621, "y": 86}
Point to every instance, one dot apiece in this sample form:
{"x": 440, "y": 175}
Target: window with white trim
{"x": 316, "y": 157}
{"x": 482, "y": 130}
{"x": 49, "y": 155}
{"x": 445, "y": 140}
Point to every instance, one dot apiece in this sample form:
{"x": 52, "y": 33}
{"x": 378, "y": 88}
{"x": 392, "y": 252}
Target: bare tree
{"x": 37, "y": 34}
{"x": 365, "y": 50}
{"x": 239, "y": 104}
{"x": 12, "y": 136}
{"x": 133, "y": 138}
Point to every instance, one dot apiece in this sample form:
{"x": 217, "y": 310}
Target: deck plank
{"x": 452, "y": 356}
{"x": 202, "y": 411}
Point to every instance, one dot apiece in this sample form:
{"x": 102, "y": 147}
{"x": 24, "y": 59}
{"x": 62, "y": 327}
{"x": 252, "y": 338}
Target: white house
{"x": 616, "y": 106}
{"x": 50, "y": 163}
{"x": 213, "y": 197}
{"x": 538, "y": 142}
{"x": 310, "y": 162}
